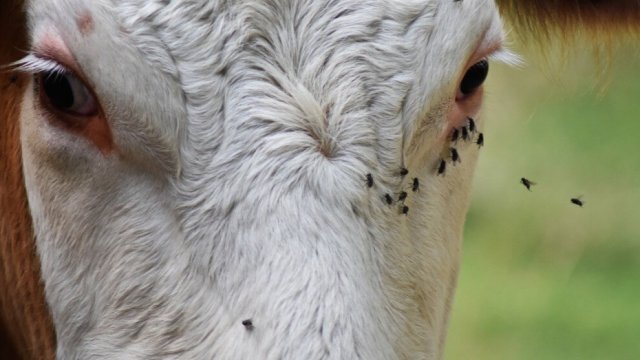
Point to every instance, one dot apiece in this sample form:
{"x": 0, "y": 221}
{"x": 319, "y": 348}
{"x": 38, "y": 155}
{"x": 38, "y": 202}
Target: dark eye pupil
{"x": 58, "y": 90}
{"x": 474, "y": 77}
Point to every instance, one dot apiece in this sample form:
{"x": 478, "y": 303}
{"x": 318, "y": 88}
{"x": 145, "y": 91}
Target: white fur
{"x": 244, "y": 131}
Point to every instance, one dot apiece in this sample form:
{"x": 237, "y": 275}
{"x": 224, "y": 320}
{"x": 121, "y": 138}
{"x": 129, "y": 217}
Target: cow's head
{"x": 194, "y": 164}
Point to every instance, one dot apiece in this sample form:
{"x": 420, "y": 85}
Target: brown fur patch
{"x": 24, "y": 317}
{"x": 564, "y": 19}
{"x": 85, "y": 23}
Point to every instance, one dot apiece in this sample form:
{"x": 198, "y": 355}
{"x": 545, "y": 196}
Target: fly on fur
{"x": 369, "y": 180}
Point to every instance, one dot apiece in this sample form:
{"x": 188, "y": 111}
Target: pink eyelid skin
{"x": 51, "y": 46}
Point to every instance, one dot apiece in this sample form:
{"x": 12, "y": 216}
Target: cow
{"x": 245, "y": 179}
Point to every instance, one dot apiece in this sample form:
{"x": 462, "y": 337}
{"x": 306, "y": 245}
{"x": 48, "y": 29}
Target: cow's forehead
{"x": 295, "y": 35}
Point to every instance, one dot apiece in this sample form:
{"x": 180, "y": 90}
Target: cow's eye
{"x": 474, "y": 77}
{"x": 65, "y": 93}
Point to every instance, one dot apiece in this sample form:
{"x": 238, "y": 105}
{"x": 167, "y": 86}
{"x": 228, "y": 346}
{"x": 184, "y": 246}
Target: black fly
{"x": 248, "y": 324}
{"x": 388, "y": 199}
{"x": 454, "y": 135}
{"x": 405, "y": 209}
{"x": 442, "y": 167}
{"x": 403, "y": 195}
{"x": 369, "y": 180}
{"x": 404, "y": 171}
{"x": 577, "y": 201}
{"x": 465, "y": 134}
{"x": 416, "y": 184}
{"x": 454, "y": 155}
{"x": 480, "y": 140}
{"x": 527, "y": 183}
{"x": 472, "y": 125}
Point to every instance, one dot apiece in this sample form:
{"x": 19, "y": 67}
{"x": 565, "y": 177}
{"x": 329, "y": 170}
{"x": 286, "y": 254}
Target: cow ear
{"x": 544, "y": 19}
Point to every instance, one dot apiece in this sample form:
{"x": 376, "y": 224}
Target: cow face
{"x": 196, "y": 166}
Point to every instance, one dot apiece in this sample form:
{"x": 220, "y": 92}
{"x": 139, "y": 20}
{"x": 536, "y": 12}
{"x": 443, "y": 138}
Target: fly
{"x": 527, "y": 183}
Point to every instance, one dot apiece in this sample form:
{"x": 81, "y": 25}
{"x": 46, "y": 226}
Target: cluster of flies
{"x": 402, "y": 196}
{"x": 465, "y": 133}
{"x": 528, "y": 184}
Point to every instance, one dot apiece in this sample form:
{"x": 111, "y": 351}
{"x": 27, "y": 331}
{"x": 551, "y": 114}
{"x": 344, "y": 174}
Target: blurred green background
{"x": 542, "y": 278}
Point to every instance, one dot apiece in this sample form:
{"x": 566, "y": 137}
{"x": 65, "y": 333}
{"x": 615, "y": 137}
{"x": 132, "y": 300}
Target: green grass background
{"x": 540, "y": 277}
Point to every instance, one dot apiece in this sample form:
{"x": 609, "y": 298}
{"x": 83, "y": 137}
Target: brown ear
{"x": 567, "y": 18}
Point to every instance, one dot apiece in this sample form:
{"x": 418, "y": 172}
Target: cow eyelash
{"x": 34, "y": 64}
{"x": 506, "y": 56}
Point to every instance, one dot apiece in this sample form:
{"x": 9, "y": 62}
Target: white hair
{"x": 244, "y": 132}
